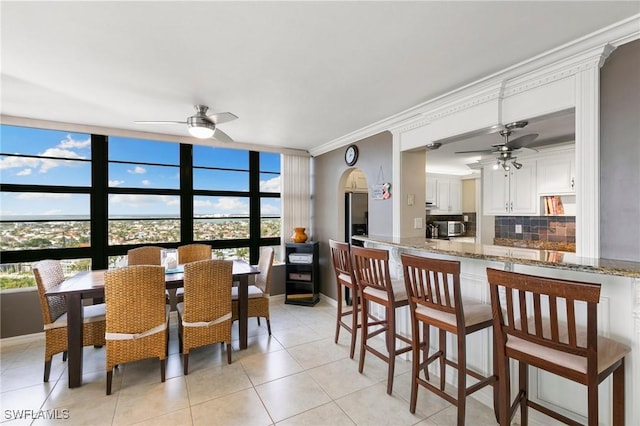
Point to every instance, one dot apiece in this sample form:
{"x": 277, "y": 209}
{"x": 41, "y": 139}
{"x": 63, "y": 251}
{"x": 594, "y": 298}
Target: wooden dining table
{"x": 90, "y": 284}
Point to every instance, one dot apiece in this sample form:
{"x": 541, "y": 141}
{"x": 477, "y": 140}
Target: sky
{"x": 75, "y": 170}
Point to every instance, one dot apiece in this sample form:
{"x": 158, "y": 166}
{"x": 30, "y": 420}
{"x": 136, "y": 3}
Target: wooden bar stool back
{"x": 435, "y": 299}
{"x": 341, "y": 259}
{"x": 537, "y": 323}
{"x": 371, "y": 269}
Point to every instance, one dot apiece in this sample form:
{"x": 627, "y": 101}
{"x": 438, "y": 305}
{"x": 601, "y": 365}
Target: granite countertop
{"x": 524, "y": 256}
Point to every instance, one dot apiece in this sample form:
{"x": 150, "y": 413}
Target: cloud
{"x": 115, "y": 182}
{"x": 269, "y": 209}
{"x": 41, "y": 195}
{"x": 136, "y": 200}
{"x": 52, "y": 212}
{"x": 271, "y": 185}
{"x": 25, "y": 172}
{"x": 15, "y": 162}
{"x": 138, "y": 170}
{"x": 201, "y": 203}
{"x": 231, "y": 204}
{"x": 146, "y": 182}
{"x": 71, "y": 143}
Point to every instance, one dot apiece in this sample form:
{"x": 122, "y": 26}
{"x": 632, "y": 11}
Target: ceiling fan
{"x": 201, "y": 125}
{"x": 505, "y": 150}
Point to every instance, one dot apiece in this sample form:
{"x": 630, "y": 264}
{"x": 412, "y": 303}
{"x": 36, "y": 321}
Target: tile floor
{"x": 298, "y": 376}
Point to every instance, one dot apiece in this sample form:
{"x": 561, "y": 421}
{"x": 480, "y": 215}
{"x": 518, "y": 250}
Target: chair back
{"x": 48, "y": 273}
{"x": 371, "y": 269}
{"x": 207, "y": 290}
{"x": 544, "y": 311}
{"x": 341, "y": 259}
{"x": 193, "y": 252}
{"x": 134, "y": 298}
{"x": 265, "y": 264}
{"x": 147, "y": 255}
{"x": 434, "y": 284}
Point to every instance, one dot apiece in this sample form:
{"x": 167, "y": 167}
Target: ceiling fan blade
{"x": 161, "y": 122}
{"x": 221, "y": 136}
{"x": 478, "y": 151}
{"x": 551, "y": 141}
{"x": 522, "y": 141}
{"x": 222, "y": 117}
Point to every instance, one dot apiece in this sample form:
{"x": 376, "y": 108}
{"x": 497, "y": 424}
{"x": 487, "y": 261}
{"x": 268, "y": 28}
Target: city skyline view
{"x": 214, "y": 169}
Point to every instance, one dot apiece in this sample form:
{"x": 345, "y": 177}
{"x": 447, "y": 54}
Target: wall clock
{"x": 351, "y": 155}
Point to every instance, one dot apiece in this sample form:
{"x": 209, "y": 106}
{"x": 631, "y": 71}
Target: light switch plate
{"x": 411, "y": 198}
{"x": 518, "y": 229}
{"x": 417, "y": 222}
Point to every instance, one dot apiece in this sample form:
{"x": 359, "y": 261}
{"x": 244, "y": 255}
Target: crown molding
{"x": 557, "y": 63}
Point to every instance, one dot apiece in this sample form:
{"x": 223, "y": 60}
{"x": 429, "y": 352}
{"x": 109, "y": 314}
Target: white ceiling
{"x": 298, "y": 74}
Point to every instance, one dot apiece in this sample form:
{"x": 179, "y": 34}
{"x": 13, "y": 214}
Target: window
{"x": 59, "y": 189}
{"x": 144, "y": 192}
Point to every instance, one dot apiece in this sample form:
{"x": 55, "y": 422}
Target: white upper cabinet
{"x": 445, "y": 194}
{"x": 510, "y": 192}
{"x": 556, "y": 174}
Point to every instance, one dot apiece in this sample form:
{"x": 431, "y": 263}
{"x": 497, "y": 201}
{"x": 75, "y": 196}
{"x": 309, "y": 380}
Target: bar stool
{"x": 341, "y": 259}
{"x": 435, "y": 299}
{"x": 535, "y": 323}
{"x": 371, "y": 269}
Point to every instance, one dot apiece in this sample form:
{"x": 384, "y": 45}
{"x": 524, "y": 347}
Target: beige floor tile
{"x": 291, "y": 395}
{"x": 216, "y": 382}
{"x": 148, "y": 371}
{"x": 206, "y": 357}
{"x": 318, "y": 353}
{"x": 341, "y": 378}
{"x": 177, "y": 418}
{"x": 29, "y": 398}
{"x": 138, "y": 403}
{"x": 428, "y": 403}
{"x": 262, "y": 368}
{"x": 327, "y": 414}
{"x": 372, "y": 406}
{"x": 256, "y": 345}
{"x": 477, "y": 414}
{"x": 29, "y": 375}
{"x": 240, "y": 408}
{"x": 296, "y": 336}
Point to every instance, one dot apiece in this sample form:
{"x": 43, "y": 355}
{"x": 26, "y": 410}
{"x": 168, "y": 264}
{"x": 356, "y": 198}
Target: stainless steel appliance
{"x": 449, "y": 228}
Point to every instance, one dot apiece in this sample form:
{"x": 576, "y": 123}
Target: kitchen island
{"x": 618, "y": 313}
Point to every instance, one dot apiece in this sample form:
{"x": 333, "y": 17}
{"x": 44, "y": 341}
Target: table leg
{"x": 74, "y": 339}
{"x": 243, "y": 308}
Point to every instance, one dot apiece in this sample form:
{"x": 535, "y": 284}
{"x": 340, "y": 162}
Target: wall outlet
{"x": 518, "y": 229}
{"x": 465, "y": 218}
{"x": 417, "y": 223}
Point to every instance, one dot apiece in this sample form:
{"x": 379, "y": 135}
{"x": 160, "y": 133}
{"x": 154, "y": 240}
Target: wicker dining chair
{"x": 147, "y": 255}
{"x": 191, "y": 253}
{"x": 48, "y": 273}
{"x": 204, "y": 318}
{"x": 137, "y": 316}
{"x": 258, "y": 304}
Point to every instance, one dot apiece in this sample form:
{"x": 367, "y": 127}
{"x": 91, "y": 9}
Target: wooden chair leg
{"x": 258, "y": 318}
{"x": 391, "y": 347}
{"x": 47, "y": 369}
{"x": 338, "y": 314}
{"x": 496, "y": 387}
{"x": 592, "y": 402}
{"x": 109, "y": 380}
{"x": 523, "y": 379}
{"x": 426, "y": 344}
{"x": 504, "y": 389}
{"x": 354, "y": 327}
{"x": 442, "y": 348}
{"x": 462, "y": 379}
{"x": 64, "y": 356}
{"x": 229, "y": 350}
{"x": 185, "y": 363}
{"x": 269, "y": 326}
{"x": 163, "y": 370}
{"x": 365, "y": 334}
{"x": 415, "y": 363}
{"x": 618, "y": 395}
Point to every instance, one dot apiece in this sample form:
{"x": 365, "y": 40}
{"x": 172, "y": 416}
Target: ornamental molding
{"x": 553, "y": 65}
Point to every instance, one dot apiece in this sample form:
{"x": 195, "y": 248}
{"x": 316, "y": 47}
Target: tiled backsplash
{"x": 543, "y": 232}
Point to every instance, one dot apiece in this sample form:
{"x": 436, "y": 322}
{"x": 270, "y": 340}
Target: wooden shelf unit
{"x": 302, "y": 284}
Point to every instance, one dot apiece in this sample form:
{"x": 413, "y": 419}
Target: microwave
{"x": 450, "y": 228}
